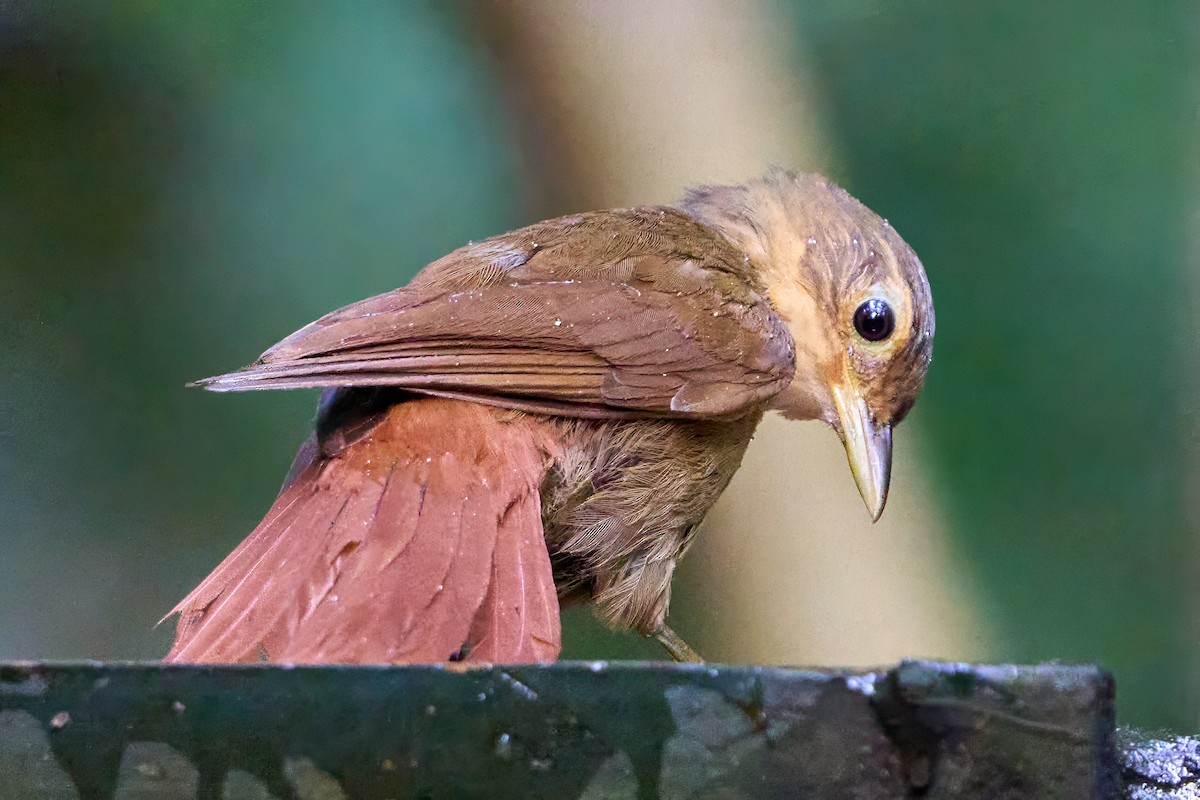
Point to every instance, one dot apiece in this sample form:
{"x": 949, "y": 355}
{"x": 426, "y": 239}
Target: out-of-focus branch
{"x": 624, "y": 103}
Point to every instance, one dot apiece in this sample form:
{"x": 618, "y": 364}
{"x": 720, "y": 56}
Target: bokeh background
{"x": 182, "y": 184}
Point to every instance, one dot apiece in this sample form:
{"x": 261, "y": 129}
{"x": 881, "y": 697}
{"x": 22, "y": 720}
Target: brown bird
{"x": 549, "y": 414}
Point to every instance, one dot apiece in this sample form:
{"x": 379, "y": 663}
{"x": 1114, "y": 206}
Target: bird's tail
{"x": 419, "y": 542}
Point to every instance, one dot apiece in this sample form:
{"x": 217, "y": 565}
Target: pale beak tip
{"x": 874, "y": 489}
{"x": 875, "y": 509}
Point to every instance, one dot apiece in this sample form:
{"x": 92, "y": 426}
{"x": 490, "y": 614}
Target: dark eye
{"x": 874, "y": 320}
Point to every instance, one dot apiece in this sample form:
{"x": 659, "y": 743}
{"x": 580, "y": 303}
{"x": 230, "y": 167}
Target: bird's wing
{"x": 420, "y": 541}
{"x": 640, "y": 312}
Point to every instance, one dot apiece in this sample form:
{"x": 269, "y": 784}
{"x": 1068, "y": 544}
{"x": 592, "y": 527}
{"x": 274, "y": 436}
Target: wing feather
{"x": 602, "y": 314}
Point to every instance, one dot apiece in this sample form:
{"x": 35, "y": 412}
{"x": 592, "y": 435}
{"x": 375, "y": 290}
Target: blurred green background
{"x": 181, "y": 185}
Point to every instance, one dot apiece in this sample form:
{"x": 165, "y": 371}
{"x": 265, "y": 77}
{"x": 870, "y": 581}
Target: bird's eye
{"x": 874, "y": 320}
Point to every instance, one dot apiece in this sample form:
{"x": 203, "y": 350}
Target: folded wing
{"x": 643, "y": 312}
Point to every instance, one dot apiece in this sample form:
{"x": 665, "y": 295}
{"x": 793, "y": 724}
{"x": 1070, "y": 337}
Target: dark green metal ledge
{"x": 572, "y": 730}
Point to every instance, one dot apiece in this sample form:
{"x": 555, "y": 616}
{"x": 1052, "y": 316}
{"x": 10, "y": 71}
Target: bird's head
{"x": 855, "y": 298}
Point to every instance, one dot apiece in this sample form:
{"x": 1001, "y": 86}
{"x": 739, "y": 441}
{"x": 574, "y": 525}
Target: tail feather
{"x": 418, "y": 541}
{"x": 518, "y": 621}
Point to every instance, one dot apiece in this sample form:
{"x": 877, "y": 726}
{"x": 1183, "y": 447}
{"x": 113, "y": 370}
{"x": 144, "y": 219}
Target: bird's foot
{"x": 679, "y": 649}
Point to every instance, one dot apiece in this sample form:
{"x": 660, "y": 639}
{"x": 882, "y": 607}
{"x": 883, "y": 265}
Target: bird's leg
{"x": 679, "y": 649}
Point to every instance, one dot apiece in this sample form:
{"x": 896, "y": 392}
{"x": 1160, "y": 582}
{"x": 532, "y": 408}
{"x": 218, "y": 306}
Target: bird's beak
{"x": 868, "y": 447}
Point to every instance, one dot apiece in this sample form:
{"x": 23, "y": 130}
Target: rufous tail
{"x": 420, "y": 542}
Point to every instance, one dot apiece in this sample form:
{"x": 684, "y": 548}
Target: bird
{"x": 546, "y": 416}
